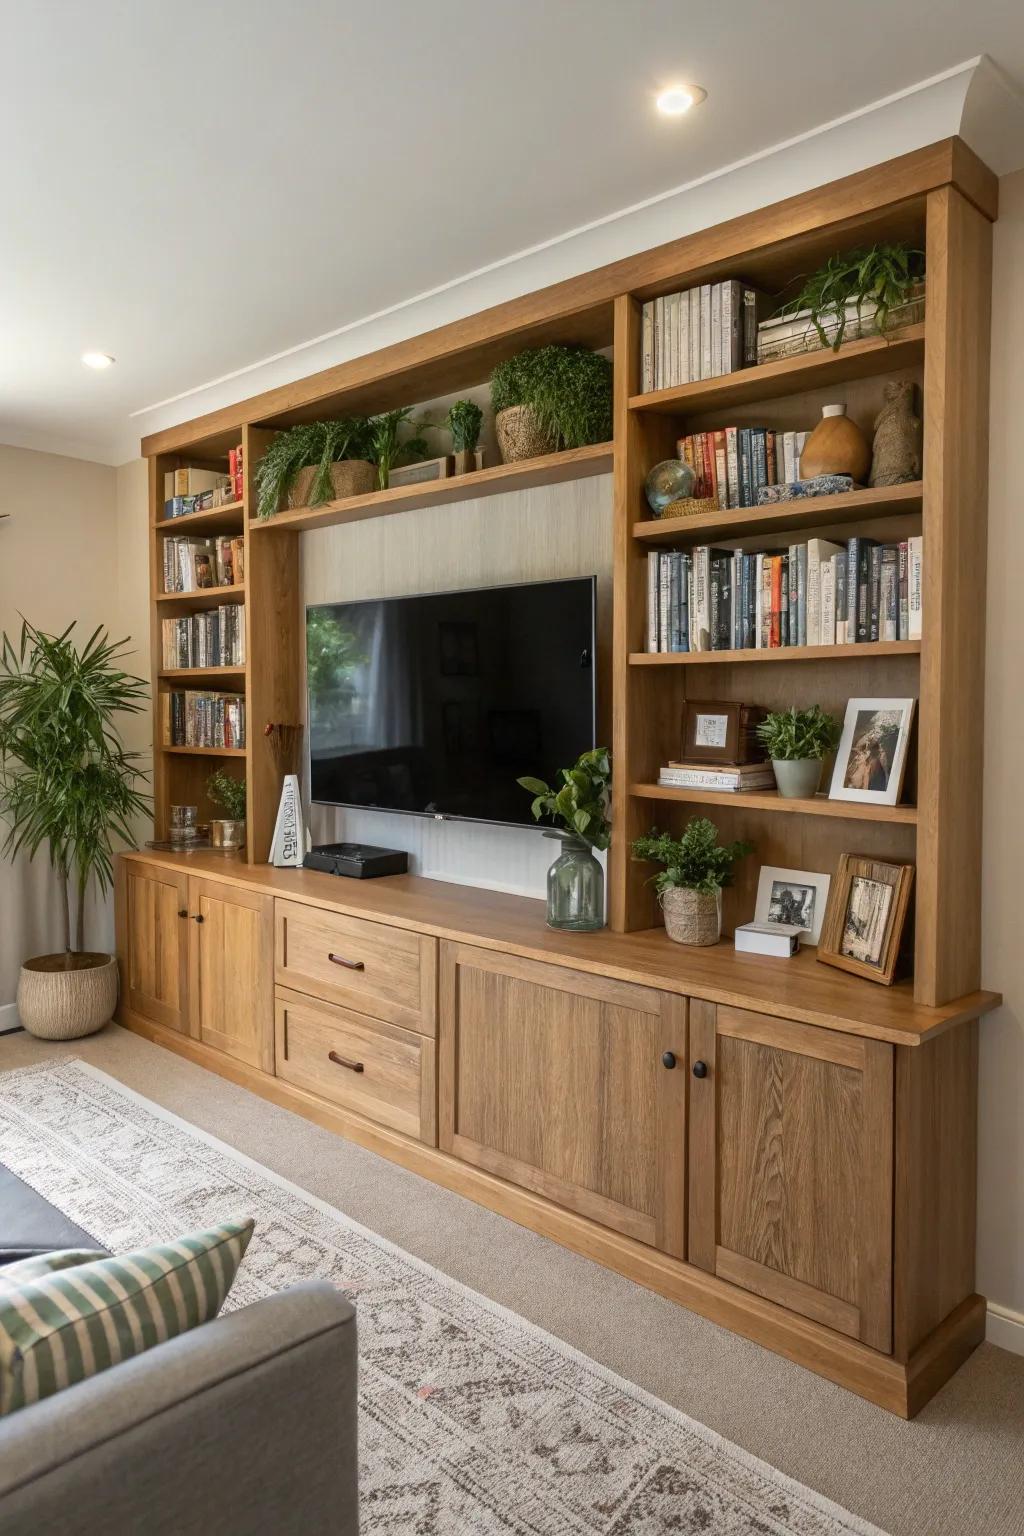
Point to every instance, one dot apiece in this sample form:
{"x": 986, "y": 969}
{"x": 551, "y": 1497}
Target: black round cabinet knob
{"x": 700, "y": 1069}
{"x": 669, "y": 1059}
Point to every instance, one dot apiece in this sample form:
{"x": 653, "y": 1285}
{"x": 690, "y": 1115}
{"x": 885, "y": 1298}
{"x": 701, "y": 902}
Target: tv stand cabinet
{"x": 763, "y": 1141}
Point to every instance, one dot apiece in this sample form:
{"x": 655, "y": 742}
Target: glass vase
{"x": 576, "y": 888}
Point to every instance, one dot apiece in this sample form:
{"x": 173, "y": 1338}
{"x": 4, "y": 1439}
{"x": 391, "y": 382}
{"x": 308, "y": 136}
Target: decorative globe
{"x": 669, "y": 481}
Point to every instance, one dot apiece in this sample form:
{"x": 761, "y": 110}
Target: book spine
{"x": 771, "y": 471}
{"x": 659, "y": 342}
{"x": 915, "y": 587}
{"x": 863, "y": 592}
{"x": 745, "y": 467}
{"x": 793, "y": 595}
{"x": 749, "y": 327}
{"x": 653, "y": 558}
{"x": 732, "y": 466}
{"x": 784, "y": 596}
{"x": 813, "y": 592}
{"x": 775, "y": 631}
{"x": 889, "y": 594}
{"x": 875, "y": 593}
{"x": 904, "y": 591}
{"x": 801, "y": 594}
{"x": 693, "y": 296}
{"x": 721, "y": 469}
{"x": 750, "y": 571}
{"x": 732, "y": 326}
{"x": 705, "y": 331}
{"x": 738, "y": 600}
{"x": 716, "y": 330}
{"x": 685, "y": 376}
{"x": 647, "y": 348}
{"x": 828, "y": 602}
{"x": 759, "y": 461}
{"x": 766, "y": 603}
{"x": 700, "y": 631}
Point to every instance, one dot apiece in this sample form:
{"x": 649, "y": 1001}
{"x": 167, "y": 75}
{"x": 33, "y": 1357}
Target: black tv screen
{"x": 435, "y": 704}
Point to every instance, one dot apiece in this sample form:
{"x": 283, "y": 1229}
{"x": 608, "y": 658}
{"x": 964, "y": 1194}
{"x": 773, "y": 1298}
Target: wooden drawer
{"x": 381, "y": 1071}
{"x": 387, "y": 972}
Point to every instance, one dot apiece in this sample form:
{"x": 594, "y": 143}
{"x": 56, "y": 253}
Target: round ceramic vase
{"x": 837, "y": 446}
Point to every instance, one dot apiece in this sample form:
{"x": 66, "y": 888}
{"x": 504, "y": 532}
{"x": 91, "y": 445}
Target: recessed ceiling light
{"x": 97, "y": 359}
{"x": 678, "y": 99}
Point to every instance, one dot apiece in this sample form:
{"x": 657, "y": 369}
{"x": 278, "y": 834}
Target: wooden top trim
{"x": 798, "y": 989}
{"x": 949, "y": 161}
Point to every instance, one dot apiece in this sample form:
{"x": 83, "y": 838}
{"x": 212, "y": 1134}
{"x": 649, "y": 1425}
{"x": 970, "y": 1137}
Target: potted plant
{"x": 854, "y": 294}
{"x": 67, "y": 783}
{"x": 696, "y": 869}
{"x": 798, "y": 742}
{"x": 550, "y": 398}
{"x": 385, "y": 449}
{"x": 314, "y": 462}
{"x": 464, "y": 420}
{"x": 229, "y": 793}
{"x": 581, "y": 803}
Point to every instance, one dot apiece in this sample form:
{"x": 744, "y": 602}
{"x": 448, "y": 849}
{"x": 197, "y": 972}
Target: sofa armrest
{"x": 243, "y": 1426}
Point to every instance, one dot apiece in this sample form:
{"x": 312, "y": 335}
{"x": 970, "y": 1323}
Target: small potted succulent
{"x": 229, "y": 794}
{"x": 696, "y": 868}
{"x": 581, "y": 804}
{"x": 464, "y": 420}
{"x": 798, "y": 742}
{"x": 551, "y": 398}
{"x": 314, "y": 462}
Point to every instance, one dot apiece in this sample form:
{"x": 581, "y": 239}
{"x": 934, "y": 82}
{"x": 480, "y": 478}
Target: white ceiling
{"x": 196, "y": 185}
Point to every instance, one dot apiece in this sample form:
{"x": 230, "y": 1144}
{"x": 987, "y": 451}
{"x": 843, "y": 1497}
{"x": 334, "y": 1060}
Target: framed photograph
{"x": 872, "y": 755}
{"x": 865, "y": 917}
{"x": 795, "y": 896}
{"x": 721, "y": 732}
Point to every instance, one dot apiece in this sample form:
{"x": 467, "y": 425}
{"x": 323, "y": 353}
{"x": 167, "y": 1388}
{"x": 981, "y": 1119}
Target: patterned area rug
{"x": 473, "y": 1421}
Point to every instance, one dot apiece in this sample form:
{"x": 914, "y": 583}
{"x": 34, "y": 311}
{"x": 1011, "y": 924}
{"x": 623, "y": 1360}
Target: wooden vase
{"x": 837, "y": 446}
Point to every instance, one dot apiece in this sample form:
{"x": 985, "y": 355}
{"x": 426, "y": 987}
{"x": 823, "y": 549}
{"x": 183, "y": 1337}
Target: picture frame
{"x": 421, "y": 471}
{"x": 865, "y": 917}
{"x": 871, "y": 758}
{"x": 797, "y": 896}
{"x": 721, "y": 731}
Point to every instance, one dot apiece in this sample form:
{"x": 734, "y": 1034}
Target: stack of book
{"x": 191, "y": 718}
{"x": 698, "y": 334}
{"x": 190, "y": 565}
{"x": 816, "y": 593}
{"x": 196, "y": 490}
{"x": 733, "y": 463}
{"x": 730, "y": 778}
{"x": 213, "y": 639}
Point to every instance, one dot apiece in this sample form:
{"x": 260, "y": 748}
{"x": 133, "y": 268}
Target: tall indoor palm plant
{"x": 66, "y": 781}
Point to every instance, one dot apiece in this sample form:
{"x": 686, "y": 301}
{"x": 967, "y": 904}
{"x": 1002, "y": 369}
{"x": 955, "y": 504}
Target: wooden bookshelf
{"x": 205, "y": 751}
{"x": 873, "y": 650}
{"x": 783, "y": 517}
{"x": 206, "y": 597}
{"x": 225, "y": 519}
{"x": 202, "y": 674}
{"x": 772, "y": 803}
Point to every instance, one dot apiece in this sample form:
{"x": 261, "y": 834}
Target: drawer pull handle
{"x": 350, "y": 965}
{"x": 353, "y": 1066}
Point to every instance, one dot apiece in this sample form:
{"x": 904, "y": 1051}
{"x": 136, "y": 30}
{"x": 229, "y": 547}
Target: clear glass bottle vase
{"x": 576, "y": 888}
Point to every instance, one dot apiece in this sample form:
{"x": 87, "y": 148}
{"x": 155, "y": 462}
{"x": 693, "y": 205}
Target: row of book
{"x": 190, "y": 565}
{"x": 213, "y": 639}
{"x": 698, "y": 334}
{"x": 817, "y": 593}
{"x": 190, "y": 489}
{"x": 733, "y": 463}
{"x": 193, "y": 718}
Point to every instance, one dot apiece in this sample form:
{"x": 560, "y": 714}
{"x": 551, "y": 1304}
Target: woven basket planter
{"x": 692, "y": 917}
{"x": 520, "y": 435}
{"x": 349, "y": 477}
{"x": 58, "y": 1000}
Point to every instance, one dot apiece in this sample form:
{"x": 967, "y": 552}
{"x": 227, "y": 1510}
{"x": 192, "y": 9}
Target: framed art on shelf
{"x": 871, "y": 759}
{"x": 795, "y": 896}
{"x": 865, "y": 917}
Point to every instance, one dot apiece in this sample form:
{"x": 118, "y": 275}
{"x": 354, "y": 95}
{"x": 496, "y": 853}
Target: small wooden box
{"x": 721, "y": 732}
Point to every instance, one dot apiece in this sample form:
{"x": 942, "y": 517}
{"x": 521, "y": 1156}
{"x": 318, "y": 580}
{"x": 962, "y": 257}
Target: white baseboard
{"x": 1005, "y": 1327}
{"x": 9, "y": 1018}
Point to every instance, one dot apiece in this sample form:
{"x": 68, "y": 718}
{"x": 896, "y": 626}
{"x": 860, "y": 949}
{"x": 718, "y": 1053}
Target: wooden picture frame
{"x": 873, "y": 751}
{"x": 721, "y": 731}
{"x": 421, "y": 471}
{"x": 863, "y": 928}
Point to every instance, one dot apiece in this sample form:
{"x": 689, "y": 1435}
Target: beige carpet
{"x": 956, "y": 1471}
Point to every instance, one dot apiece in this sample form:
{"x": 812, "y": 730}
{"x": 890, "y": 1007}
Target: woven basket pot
{"x": 692, "y": 917}
{"x": 63, "y": 997}
{"x": 349, "y": 477}
{"x": 520, "y": 435}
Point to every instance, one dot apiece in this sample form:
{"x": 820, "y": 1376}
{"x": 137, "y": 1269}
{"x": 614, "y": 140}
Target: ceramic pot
{"x": 66, "y": 996}
{"x": 520, "y": 435}
{"x": 692, "y": 917}
{"x": 797, "y": 779}
{"x": 837, "y": 446}
{"x": 227, "y": 834}
{"x": 349, "y": 477}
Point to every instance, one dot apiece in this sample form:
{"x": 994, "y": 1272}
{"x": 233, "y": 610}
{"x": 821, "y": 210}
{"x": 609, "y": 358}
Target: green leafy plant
{"x": 884, "y": 275}
{"x": 582, "y": 801}
{"x": 697, "y": 861}
{"x": 228, "y": 793}
{"x": 319, "y": 443}
{"x": 795, "y": 735}
{"x": 464, "y": 420}
{"x": 65, "y": 778}
{"x": 385, "y": 449}
{"x": 569, "y": 388}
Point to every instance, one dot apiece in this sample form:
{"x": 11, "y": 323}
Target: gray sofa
{"x": 244, "y": 1427}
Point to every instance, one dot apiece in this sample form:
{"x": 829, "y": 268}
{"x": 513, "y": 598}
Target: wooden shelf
{"x": 205, "y": 751}
{"x": 810, "y": 512}
{"x": 551, "y": 469}
{"x": 186, "y": 673}
{"x": 772, "y": 802}
{"x": 216, "y": 519}
{"x": 789, "y": 376}
{"x": 206, "y": 597}
{"x": 876, "y": 648}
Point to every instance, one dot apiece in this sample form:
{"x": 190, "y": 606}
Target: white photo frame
{"x": 872, "y": 755}
{"x": 797, "y": 896}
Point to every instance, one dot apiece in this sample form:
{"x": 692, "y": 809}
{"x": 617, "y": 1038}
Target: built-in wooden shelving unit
{"x": 772, "y": 803}
{"x": 784, "y": 517}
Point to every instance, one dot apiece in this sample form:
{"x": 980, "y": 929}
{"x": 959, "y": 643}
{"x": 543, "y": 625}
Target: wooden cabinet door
{"x": 555, "y": 1080}
{"x": 232, "y": 970}
{"x": 791, "y": 1166}
{"x": 154, "y": 915}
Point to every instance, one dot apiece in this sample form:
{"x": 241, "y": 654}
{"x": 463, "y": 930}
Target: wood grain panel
{"x": 787, "y": 1292}
{"x": 156, "y": 950}
{"x": 231, "y": 968}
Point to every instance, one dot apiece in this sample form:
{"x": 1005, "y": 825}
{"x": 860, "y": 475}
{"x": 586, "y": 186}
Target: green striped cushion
{"x": 62, "y": 1327}
{"x": 14, "y": 1276}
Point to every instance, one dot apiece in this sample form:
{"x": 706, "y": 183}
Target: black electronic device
{"x": 360, "y": 861}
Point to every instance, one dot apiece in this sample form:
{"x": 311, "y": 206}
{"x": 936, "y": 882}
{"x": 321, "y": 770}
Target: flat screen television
{"x": 435, "y": 704}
